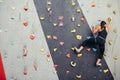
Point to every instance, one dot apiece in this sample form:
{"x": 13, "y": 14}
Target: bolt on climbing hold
{"x": 32, "y": 36}
{"x": 49, "y": 3}
{"x": 115, "y": 30}
{"x": 48, "y": 36}
{"x": 114, "y": 12}
{"x": 68, "y": 55}
{"x": 78, "y": 25}
{"x": 78, "y": 76}
{"x": 67, "y": 71}
{"x": 73, "y": 3}
{"x": 35, "y": 66}
{"x": 54, "y": 24}
{"x": 73, "y": 19}
{"x": 60, "y": 18}
{"x": 115, "y": 57}
{"x": 49, "y": 9}
{"x": 109, "y": 19}
{"x": 55, "y": 37}
{"x": 13, "y": 8}
{"x": 78, "y": 10}
{"x": 25, "y": 71}
{"x": 110, "y": 43}
{"x": 73, "y": 31}
{"x": 105, "y": 54}
{"x": 42, "y": 18}
{"x": 55, "y": 71}
{"x": 72, "y": 48}
{"x": 61, "y": 24}
{"x": 93, "y": 5}
{"x": 109, "y": 5}
{"x": 26, "y": 8}
{"x": 55, "y": 66}
{"x": 48, "y": 57}
{"x": 25, "y": 23}
{"x": 83, "y": 19}
{"x": 105, "y": 70}
{"x": 25, "y": 51}
{"x": 61, "y": 43}
{"x": 78, "y": 37}
{"x": 73, "y": 64}
{"x": 94, "y": 49}
{"x": 55, "y": 49}
{"x": 42, "y": 49}
{"x": 79, "y": 55}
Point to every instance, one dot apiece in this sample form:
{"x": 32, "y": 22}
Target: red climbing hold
{"x": 25, "y": 23}
{"x": 26, "y": 8}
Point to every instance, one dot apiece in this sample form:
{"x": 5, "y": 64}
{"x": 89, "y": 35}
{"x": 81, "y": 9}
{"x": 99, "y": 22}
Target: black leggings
{"x": 96, "y": 41}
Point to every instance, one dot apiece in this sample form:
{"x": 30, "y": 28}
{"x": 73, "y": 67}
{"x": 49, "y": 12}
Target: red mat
{"x": 2, "y": 73}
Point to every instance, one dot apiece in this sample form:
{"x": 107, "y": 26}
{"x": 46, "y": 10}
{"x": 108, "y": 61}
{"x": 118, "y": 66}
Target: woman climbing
{"x": 100, "y": 40}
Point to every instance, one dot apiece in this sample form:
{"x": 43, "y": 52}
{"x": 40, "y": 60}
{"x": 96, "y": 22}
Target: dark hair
{"x": 102, "y": 24}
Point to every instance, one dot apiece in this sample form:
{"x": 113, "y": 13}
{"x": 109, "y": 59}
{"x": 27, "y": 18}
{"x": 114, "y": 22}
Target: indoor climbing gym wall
{"x": 37, "y": 39}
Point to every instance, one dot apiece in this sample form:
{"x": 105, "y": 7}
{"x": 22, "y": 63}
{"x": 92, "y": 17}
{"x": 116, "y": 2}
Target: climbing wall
{"x": 65, "y": 26}
{"x": 30, "y": 28}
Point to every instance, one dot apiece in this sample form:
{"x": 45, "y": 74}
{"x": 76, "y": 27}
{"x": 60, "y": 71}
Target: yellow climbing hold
{"x": 105, "y": 54}
{"x": 48, "y": 9}
{"x": 109, "y": 19}
{"x": 78, "y": 37}
{"x": 105, "y": 70}
{"x": 78, "y": 10}
{"x": 73, "y": 64}
{"x": 48, "y": 37}
{"x": 42, "y": 18}
{"x": 115, "y": 30}
{"x": 55, "y": 49}
{"x": 79, "y": 55}
{"x": 54, "y": 24}
{"x": 78, "y": 76}
{"x": 73, "y": 31}
{"x": 78, "y": 25}
{"x": 55, "y": 71}
{"x": 42, "y": 49}
{"x": 72, "y": 49}
{"x": 115, "y": 57}
{"x": 110, "y": 43}
{"x": 73, "y": 3}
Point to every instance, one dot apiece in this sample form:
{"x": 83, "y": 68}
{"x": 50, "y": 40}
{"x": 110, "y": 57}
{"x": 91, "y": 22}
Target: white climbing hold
{"x": 55, "y": 49}
{"x": 73, "y": 64}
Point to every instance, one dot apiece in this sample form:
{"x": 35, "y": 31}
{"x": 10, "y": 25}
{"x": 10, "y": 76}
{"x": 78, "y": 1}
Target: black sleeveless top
{"x": 103, "y": 33}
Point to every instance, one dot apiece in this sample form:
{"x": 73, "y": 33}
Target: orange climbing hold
{"x": 25, "y": 72}
{"x": 25, "y": 23}
{"x": 93, "y": 5}
{"x": 60, "y": 18}
{"x": 61, "y": 43}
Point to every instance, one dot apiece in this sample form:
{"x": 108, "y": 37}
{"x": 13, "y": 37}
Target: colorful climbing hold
{"x": 61, "y": 43}
{"x": 35, "y": 66}
{"x": 78, "y": 37}
{"x": 49, "y": 3}
{"x": 88, "y": 49}
{"x": 93, "y": 5}
{"x": 55, "y": 49}
{"x": 78, "y": 10}
{"x": 42, "y": 18}
{"x": 72, "y": 63}
{"x": 68, "y": 55}
{"x": 79, "y": 55}
{"x": 115, "y": 57}
{"x": 49, "y": 9}
{"x": 73, "y": 31}
{"x": 61, "y": 24}
{"x": 55, "y": 66}
{"x": 78, "y": 76}
{"x": 55, "y": 37}
{"x": 73, "y": 3}
{"x": 48, "y": 36}
{"x": 73, "y": 19}
{"x": 72, "y": 48}
{"x": 48, "y": 57}
{"x": 78, "y": 25}
{"x": 25, "y": 51}
{"x": 54, "y": 24}
{"x": 83, "y": 19}
{"x": 105, "y": 70}
{"x": 60, "y": 18}
{"x": 110, "y": 43}
{"x": 42, "y": 49}
{"x": 25, "y": 71}
{"x": 25, "y": 23}
{"x": 32, "y": 36}
{"x": 26, "y": 8}
{"x": 67, "y": 71}
{"x": 115, "y": 30}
